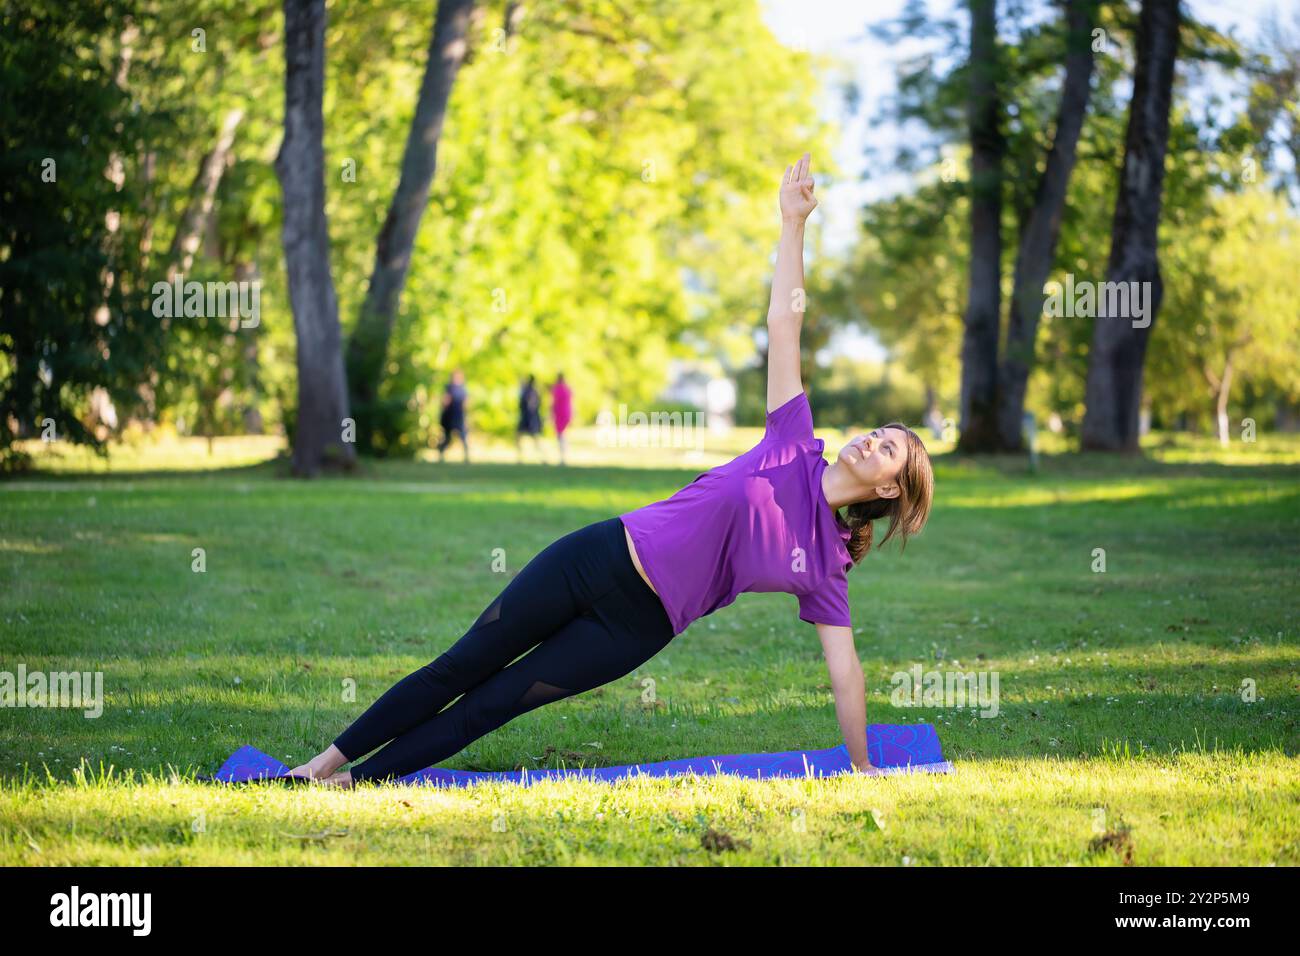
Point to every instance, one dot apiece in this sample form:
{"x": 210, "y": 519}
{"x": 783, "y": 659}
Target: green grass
{"x": 1121, "y": 707}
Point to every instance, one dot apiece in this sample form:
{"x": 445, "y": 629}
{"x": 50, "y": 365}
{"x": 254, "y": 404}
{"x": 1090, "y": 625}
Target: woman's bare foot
{"x": 342, "y": 780}
{"x": 322, "y": 766}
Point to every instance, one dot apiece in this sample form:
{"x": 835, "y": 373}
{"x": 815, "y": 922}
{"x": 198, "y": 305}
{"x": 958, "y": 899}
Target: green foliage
{"x": 73, "y": 300}
{"x": 603, "y": 205}
{"x": 860, "y": 395}
{"x": 603, "y": 200}
{"x": 1231, "y": 296}
{"x": 906, "y": 280}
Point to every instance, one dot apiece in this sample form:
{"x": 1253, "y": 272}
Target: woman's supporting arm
{"x": 785, "y": 311}
{"x": 849, "y": 688}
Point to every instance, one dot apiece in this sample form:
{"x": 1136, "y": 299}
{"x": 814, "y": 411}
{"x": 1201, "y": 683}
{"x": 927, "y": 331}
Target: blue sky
{"x": 838, "y": 28}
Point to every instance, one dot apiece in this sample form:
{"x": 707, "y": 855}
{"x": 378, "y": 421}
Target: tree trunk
{"x": 203, "y": 193}
{"x": 300, "y": 166}
{"x": 1114, "y": 387}
{"x": 1221, "y": 400}
{"x": 979, "y": 350}
{"x": 102, "y": 417}
{"x": 247, "y": 271}
{"x": 932, "y": 412}
{"x": 1042, "y": 228}
{"x": 368, "y": 346}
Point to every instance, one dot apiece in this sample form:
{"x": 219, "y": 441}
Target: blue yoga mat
{"x": 894, "y": 748}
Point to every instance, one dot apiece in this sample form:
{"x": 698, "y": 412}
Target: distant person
{"x": 561, "y": 411}
{"x": 530, "y": 417}
{"x": 454, "y": 399}
{"x": 934, "y": 422}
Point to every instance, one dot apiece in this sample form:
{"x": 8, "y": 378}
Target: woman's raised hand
{"x": 797, "y": 199}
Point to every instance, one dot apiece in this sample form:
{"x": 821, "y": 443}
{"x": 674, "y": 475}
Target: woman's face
{"x": 876, "y": 459}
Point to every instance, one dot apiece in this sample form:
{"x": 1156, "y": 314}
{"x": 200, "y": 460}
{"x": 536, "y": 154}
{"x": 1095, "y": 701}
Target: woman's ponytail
{"x": 859, "y": 517}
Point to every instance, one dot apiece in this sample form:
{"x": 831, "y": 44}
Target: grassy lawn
{"x": 1122, "y": 733}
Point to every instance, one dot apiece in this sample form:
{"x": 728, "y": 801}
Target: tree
{"x": 203, "y": 192}
{"x": 1042, "y": 227}
{"x": 322, "y": 387}
{"x": 68, "y": 331}
{"x": 1231, "y": 308}
{"x": 906, "y": 282}
{"x": 367, "y": 352}
{"x": 982, "y": 321}
{"x": 601, "y": 222}
{"x": 1008, "y": 173}
{"x": 601, "y": 206}
{"x": 909, "y": 258}
{"x": 1119, "y": 342}
{"x": 1273, "y": 110}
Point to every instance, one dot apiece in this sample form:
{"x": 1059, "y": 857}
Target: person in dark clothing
{"x": 454, "y": 399}
{"x": 530, "y": 417}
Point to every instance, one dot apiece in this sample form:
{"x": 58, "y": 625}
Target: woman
{"x": 530, "y": 416}
{"x": 561, "y": 410}
{"x": 603, "y": 600}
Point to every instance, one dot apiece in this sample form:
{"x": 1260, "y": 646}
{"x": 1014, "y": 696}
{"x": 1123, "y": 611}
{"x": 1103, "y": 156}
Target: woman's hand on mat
{"x": 868, "y": 770}
{"x": 797, "y": 199}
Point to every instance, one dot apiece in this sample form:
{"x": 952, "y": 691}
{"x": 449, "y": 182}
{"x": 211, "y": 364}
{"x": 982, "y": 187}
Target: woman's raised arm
{"x": 785, "y": 311}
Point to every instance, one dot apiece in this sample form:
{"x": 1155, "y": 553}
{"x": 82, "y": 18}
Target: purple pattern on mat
{"x": 895, "y": 748}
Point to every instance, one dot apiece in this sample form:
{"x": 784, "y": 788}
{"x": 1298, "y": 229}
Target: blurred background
{"x": 587, "y": 188}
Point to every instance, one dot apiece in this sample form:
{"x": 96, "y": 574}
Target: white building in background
{"x": 695, "y": 383}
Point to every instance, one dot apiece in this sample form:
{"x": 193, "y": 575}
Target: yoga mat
{"x": 894, "y": 748}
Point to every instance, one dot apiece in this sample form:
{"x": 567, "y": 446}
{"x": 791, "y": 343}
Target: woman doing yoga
{"x": 602, "y": 600}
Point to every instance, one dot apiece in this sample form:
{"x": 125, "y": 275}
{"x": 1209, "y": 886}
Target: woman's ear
{"x": 887, "y": 491}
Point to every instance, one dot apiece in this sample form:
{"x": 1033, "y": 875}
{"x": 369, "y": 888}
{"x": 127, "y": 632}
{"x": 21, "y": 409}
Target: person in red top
{"x": 561, "y": 411}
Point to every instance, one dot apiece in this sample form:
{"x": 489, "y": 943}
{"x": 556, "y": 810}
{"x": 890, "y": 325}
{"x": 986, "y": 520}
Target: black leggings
{"x": 582, "y": 608}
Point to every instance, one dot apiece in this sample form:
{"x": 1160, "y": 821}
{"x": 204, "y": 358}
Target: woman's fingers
{"x": 799, "y": 171}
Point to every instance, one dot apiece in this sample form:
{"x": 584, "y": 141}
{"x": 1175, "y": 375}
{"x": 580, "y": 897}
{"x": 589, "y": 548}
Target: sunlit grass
{"x": 1204, "y": 808}
{"x": 163, "y": 451}
{"x": 1266, "y": 448}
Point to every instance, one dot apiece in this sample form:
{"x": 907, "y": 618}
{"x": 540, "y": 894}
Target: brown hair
{"x": 907, "y": 513}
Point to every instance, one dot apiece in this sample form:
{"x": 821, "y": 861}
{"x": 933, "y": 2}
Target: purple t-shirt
{"x": 758, "y": 523}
